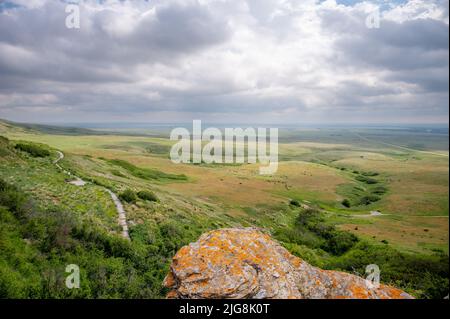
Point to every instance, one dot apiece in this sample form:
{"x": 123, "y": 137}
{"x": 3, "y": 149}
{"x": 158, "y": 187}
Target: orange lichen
{"x": 358, "y": 292}
{"x": 246, "y": 263}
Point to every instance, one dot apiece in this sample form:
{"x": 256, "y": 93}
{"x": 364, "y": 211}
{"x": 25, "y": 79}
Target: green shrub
{"x": 338, "y": 242}
{"x": 346, "y": 203}
{"x": 33, "y": 149}
{"x": 294, "y": 202}
{"x": 128, "y": 196}
{"x": 308, "y": 217}
{"x": 379, "y": 190}
{"x": 147, "y": 195}
{"x": 366, "y": 179}
{"x": 368, "y": 199}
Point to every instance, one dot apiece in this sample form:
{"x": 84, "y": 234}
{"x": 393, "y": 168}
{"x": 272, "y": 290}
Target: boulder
{"x": 247, "y": 263}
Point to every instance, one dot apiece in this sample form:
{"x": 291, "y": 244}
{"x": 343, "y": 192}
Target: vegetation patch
{"x": 317, "y": 241}
{"x": 310, "y": 229}
{"x": 370, "y": 174}
{"x": 117, "y": 173}
{"x": 424, "y": 276}
{"x": 367, "y": 191}
{"x": 147, "y": 195}
{"x": 155, "y": 148}
{"x": 346, "y": 203}
{"x": 294, "y": 202}
{"x": 368, "y": 199}
{"x": 366, "y": 179}
{"x": 379, "y": 190}
{"x": 147, "y": 173}
{"x": 38, "y": 244}
{"x": 128, "y": 196}
{"x": 33, "y": 149}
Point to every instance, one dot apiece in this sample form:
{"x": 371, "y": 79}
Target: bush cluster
{"x": 332, "y": 240}
{"x": 130, "y": 196}
{"x": 33, "y": 149}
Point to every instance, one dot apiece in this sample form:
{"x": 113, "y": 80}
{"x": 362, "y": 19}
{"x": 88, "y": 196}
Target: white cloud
{"x": 261, "y": 60}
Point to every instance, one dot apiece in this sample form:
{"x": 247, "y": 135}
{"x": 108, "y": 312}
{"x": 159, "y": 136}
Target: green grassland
{"x": 368, "y": 170}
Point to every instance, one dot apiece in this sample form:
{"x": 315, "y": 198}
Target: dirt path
{"x": 373, "y": 213}
{"x": 119, "y": 207}
{"x": 60, "y": 157}
{"x": 122, "y": 214}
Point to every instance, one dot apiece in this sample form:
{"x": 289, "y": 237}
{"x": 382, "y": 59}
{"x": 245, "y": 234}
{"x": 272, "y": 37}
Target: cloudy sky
{"x": 227, "y": 61}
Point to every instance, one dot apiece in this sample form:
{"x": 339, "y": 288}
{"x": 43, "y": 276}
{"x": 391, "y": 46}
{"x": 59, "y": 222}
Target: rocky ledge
{"x": 247, "y": 263}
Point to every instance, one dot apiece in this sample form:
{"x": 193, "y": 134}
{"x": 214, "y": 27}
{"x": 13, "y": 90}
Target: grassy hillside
{"x": 47, "y": 224}
{"x": 54, "y": 223}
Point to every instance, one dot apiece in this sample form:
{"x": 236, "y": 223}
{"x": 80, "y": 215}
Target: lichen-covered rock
{"x": 246, "y": 263}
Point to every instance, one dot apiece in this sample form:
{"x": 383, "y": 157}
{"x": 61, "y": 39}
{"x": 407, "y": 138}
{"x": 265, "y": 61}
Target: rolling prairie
{"x": 387, "y": 194}
{"x": 311, "y": 170}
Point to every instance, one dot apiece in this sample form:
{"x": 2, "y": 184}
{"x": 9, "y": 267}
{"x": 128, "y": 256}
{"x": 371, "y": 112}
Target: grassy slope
{"x": 66, "y": 218}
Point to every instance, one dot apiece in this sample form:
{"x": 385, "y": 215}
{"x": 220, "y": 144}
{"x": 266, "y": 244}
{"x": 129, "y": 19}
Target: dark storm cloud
{"x": 398, "y": 46}
{"x": 428, "y": 80}
{"x": 414, "y": 52}
{"x": 181, "y": 29}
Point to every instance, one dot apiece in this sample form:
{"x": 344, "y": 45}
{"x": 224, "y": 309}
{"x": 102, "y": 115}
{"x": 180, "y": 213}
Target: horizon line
{"x": 87, "y": 123}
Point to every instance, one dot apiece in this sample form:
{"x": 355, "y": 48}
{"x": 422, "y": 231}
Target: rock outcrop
{"x": 246, "y": 263}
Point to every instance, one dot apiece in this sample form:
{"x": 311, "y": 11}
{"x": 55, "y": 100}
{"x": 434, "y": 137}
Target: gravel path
{"x": 119, "y": 207}
{"x": 122, "y": 214}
